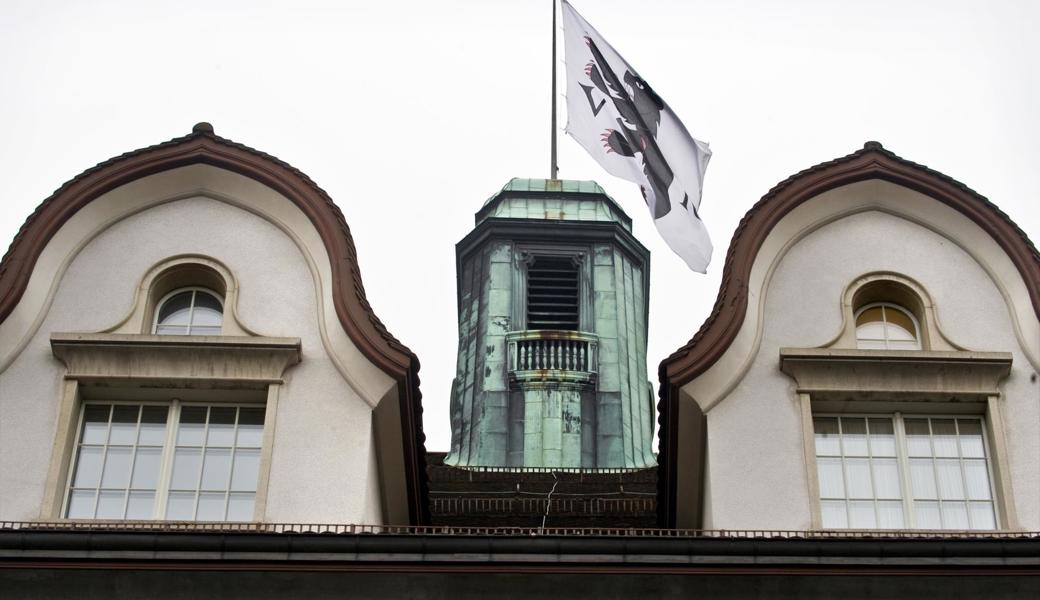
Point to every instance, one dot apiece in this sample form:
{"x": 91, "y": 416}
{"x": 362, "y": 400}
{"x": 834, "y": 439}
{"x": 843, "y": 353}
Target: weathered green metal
{"x": 549, "y": 398}
{"x": 553, "y": 199}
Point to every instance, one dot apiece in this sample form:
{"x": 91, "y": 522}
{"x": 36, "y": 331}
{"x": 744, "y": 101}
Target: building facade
{"x": 871, "y": 363}
{"x": 197, "y": 399}
{"x": 184, "y": 336}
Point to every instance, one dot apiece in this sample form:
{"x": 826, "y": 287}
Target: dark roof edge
{"x": 492, "y": 550}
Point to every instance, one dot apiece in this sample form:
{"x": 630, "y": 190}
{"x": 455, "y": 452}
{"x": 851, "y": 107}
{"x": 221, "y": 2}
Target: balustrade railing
{"x": 534, "y": 353}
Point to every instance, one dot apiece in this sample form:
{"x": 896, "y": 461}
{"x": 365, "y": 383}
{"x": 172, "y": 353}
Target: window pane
{"x": 871, "y": 332}
{"x": 977, "y": 479}
{"x": 927, "y": 515}
{"x": 88, "y": 467}
{"x": 192, "y": 425}
{"x": 917, "y": 442}
{"x": 240, "y": 507}
{"x": 829, "y": 470}
{"x": 171, "y": 330}
{"x": 186, "y": 463}
{"x": 206, "y": 317}
{"x": 211, "y": 506}
{"x": 882, "y": 437}
{"x": 827, "y": 442}
{"x": 890, "y": 514}
{"x": 175, "y": 311}
{"x": 861, "y": 514}
{"x": 944, "y": 437}
{"x": 180, "y": 506}
{"x": 127, "y": 462}
{"x": 900, "y": 326}
{"x": 221, "y": 427}
{"x": 854, "y": 436}
{"x": 250, "y": 427}
{"x": 922, "y": 478}
{"x": 81, "y": 504}
{"x": 246, "y": 471}
{"x": 833, "y": 514}
{"x": 140, "y": 505}
{"x": 871, "y": 315}
{"x": 95, "y": 424}
{"x": 110, "y": 504}
{"x": 153, "y": 426}
{"x": 124, "y": 425}
{"x": 205, "y": 302}
{"x": 951, "y": 487}
{"x": 971, "y": 438}
{"x": 216, "y": 469}
{"x": 955, "y": 515}
{"x": 857, "y": 471}
{"x": 146, "y": 468}
{"x": 117, "y": 468}
{"x": 886, "y": 478}
{"x": 982, "y": 515}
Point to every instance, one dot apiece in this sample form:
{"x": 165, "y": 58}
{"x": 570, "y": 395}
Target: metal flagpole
{"x": 553, "y": 168}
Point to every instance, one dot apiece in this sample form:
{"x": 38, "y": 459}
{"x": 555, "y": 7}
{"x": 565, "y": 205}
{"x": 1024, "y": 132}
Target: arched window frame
{"x": 885, "y": 306}
{"x": 886, "y": 287}
{"x": 179, "y": 273}
{"x": 195, "y": 289}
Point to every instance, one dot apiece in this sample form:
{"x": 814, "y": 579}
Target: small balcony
{"x": 552, "y": 356}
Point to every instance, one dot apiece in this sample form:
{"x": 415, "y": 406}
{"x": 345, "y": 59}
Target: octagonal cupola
{"x": 552, "y": 297}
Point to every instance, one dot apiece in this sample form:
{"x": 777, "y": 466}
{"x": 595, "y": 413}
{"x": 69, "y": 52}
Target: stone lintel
{"x": 155, "y": 358}
{"x": 905, "y": 374}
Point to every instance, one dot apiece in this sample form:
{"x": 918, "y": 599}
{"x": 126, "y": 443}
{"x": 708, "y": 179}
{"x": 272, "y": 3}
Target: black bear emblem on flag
{"x": 640, "y": 111}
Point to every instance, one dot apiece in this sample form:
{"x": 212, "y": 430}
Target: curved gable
{"x": 724, "y": 323}
{"x": 203, "y": 146}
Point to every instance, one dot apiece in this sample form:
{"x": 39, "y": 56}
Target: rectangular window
{"x": 896, "y": 472}
{"x": 552, "y": 294}
{"x": 173, "y": 461}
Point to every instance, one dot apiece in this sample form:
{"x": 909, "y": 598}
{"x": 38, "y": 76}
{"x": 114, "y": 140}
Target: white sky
{"x": 410, "y": 114}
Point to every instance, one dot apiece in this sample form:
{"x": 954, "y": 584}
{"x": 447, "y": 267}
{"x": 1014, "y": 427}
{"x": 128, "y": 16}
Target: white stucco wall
{"x": 322, "y": 465}
{"x": 758, "y": 476}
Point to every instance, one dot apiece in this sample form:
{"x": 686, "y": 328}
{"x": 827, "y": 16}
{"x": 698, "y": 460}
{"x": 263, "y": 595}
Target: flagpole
{"x": 553, "y": 168}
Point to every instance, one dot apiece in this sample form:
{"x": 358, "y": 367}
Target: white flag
{"x": 633, "y": 134}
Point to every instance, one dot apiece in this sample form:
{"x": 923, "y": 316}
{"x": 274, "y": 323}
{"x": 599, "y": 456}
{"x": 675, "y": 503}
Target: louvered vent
{"x": 552, "y": 294}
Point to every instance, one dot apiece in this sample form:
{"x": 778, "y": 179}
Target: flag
{"x": 631, "y": 132}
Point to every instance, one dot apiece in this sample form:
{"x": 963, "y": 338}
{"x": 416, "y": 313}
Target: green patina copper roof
{"x": 518, "y": 184}
{"x": 553, "y": 199}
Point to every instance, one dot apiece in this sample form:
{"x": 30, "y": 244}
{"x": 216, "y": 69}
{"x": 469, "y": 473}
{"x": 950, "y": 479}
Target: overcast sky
{"x": 410, "y": 114}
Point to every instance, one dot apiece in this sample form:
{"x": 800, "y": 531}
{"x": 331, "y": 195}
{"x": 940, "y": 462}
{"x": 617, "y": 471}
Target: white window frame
{"x": 885, "y": 323}
{"x": 191, "y": 307}
{"x": 903, "y": 462}
{"x": 162, "y": 488}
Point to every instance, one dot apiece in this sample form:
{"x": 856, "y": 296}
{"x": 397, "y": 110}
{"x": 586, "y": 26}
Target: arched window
{"x": 189, "y": 311}
{"x": 886, "y": 326}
